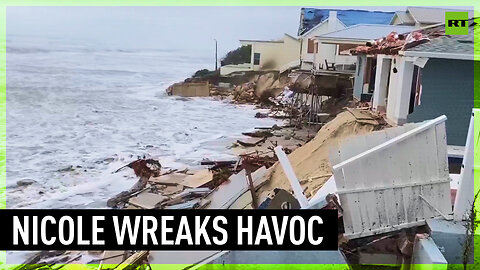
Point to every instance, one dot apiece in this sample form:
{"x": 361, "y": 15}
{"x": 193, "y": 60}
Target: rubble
{"x": 132, "y": 262}
{"x": 259, "y": 89}
{"x": 229, "y": 191}
{"x": 251, "y": 142}
{"x": 311, "y": 161}
{"x": 147, "y": 200}
{"x": 189, "y": 89}
{"x": 259, "y": 134}
{"x": 395, "y": 42}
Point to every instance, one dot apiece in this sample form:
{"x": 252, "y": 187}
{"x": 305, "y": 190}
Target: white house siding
{"x": 274, "y": 55}
{"x": 325, "y": 51}
{"x": 330, "y": 52}
{"x": 447, "y": 88}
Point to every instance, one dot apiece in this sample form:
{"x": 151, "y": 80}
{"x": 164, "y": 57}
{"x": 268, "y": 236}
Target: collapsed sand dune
{"x": 311, "y": 161}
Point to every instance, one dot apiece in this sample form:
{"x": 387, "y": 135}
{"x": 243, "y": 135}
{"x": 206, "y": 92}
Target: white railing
{"x": 393, "y": 179}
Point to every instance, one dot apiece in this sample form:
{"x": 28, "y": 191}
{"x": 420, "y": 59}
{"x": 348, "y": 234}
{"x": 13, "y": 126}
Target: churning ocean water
{"x": 77, "y": 112}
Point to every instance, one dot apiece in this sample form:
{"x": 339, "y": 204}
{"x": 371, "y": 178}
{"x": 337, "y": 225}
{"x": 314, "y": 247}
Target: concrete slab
{"x": 449, "y": 236}
{"x": 425, "y": 254}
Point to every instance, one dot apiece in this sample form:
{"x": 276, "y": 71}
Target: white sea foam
{"x": 75, "y": 115}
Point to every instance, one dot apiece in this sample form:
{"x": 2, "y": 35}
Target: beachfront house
{"x": 346, "y": 39}
{"x": 421, "y": 16}
{"x": 268, "y": 55}
{"x": 421, "y": 75}
{"x": 315, "y": 22}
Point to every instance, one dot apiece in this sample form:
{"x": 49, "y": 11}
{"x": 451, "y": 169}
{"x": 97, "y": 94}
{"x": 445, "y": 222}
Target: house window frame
{"x": 310, "y": 45}
{"x": 256, "y": 59}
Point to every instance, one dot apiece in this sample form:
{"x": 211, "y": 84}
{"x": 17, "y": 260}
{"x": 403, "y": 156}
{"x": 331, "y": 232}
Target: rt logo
{"x": 456, "y": 23}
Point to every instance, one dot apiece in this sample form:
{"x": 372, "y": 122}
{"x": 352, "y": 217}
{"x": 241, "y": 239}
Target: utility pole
{"x": 216, "y": 54}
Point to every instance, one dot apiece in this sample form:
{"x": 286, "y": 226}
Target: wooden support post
{"x": 248, "y": 173}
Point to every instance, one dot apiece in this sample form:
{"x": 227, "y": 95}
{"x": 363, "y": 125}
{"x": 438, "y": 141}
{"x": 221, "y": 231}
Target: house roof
{"x": 404, "y": 17}
{"x": 424, "y": 15}
{"x": 261, "y": 41}
{"x": 365, "y": 32}
{"x": 453, "y": 47}
{"x": 426, "y": 42}
{"x": 311, "y": 17}
{"x": 268, "y": 41}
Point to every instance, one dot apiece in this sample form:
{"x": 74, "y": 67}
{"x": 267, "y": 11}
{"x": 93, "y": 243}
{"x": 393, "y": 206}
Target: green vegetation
{"x": 240, "y": 55}
{"x": 204, "y": 73}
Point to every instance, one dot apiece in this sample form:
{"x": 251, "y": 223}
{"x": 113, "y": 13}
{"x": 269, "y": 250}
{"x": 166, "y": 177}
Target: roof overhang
{"x": 341, "y": 40}
{"x": 318, "y": 25}
{"x": 245, "y": 41}
{"x": 458, "y": 56}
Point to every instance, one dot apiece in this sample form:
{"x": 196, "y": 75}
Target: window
{"x": 344, "y": 49}
{"x": 310, "y": 47}
{"x": 256, "y": 59}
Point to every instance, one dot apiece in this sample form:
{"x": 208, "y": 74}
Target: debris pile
{"x": 395, "y": 42}
{"x": 311, "y": 161}
{"x": 245, "y": 93}
{"x": 260, "y": 88}
{"x": 182, "y": 189}
{"x": 176, "y": 189}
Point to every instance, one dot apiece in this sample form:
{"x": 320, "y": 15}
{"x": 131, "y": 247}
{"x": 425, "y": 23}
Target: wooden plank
{"x": 136, "y": 258}
{"x": 229, "y": 191}
{"x": 243, "y": 201}
{"x": 198, "y": 179}
{"x": 147, "y": 200}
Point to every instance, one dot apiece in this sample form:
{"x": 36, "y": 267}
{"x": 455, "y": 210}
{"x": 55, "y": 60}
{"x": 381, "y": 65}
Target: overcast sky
{"x": 184, "y": 28}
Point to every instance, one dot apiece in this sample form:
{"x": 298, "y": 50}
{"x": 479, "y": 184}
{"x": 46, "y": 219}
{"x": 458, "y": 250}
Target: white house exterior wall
{"x": 325, "y": 51}
{"x": 274, "y": 55}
